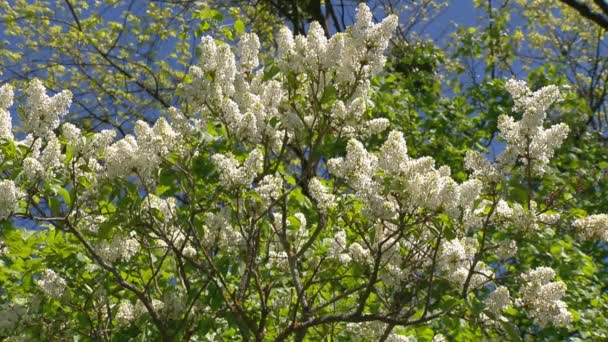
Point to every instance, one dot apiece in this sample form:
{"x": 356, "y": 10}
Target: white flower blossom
{"x": 269, "y": 188}
{"x": 506, "y": 249}
{"x": 233, "y": 175}
{"x": 318, "y": 192}
{"x": 72, "y": 134}
{"x": 498, "y": 300}
{"x": 393, "y": 153}
{"x": 373, "y": 331}
{"x": 456, "y": 260}
{"x": 527, "y": 139}
{"x": 119, "y": 248}
{"x": 542, "y": 297}
{"x": 439, "y": 338}
{"x": 51, "y": 284}
{"x": 121, "y": 157}
{"x": 359, "y": 253}
{"x": 6, "y": 122}
{"x": 480, "y": 165}
{"x": 249, "y": 48}
{"x": 9, "y": 200}
{"x": 51, "y": 157}
{"x": 43, "y": 113}
{"x": 337, "y": 247}
{"x": 167, "y": 207}
{"x": 592, "y": 227}
{"x": 220, "y": 233}
{"x": 125, "y": 313}
{"x": 32, "y": 169}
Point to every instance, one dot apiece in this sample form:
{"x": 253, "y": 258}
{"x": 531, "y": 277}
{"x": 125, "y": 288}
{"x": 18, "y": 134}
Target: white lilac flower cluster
{"x": 143, "y": 154}
{"x": 167, "y": 207}
{"x": 592, "y": 227}
{"x": 499, "y": 300}
{"x": 417, "y": 179}
{"x": 385, "y": 243}
{"x": 51, "y": 284}
{"x": 542, "y": 297}
{"x": 337, "y": 247}
{"x": 41, "y": 116}
{"x": 319, "y": 193}
{"x": 119, "y": 248}
{"x": 527, "y": 140}
{"x": 232, "y": 174}
{"x": 6, "y": 122}
{"x": 125, "y": 313}
{"x": 456, "y": 259}
{"x": 168, "y": 233}
{"x": 373, "y": 331}
{"x": 252, "y": 105}
{"x": 44, "y": 113}
{"x": 269, "y": 189}
{"x": 523, "y": 220}
{"x": 9, "y": 200}
{"x": 171, "y": 306}
{"x": 220, "y": 233}
{"x": 394, "y": 274}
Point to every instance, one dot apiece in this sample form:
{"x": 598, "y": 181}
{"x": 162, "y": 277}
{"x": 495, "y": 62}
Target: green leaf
{"x": 66, "y": 196}
{"x": 239, "y": 26}
{"x": 269, "y": 73}
{"x": 55, "y": 206}
{"x": 511, "y": 330}
{"x": 329, "y": 95}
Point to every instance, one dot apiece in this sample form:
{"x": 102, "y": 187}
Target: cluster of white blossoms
{"x": 524, "y": 220}
{"x": 125, "y": 313}
{"x": 456, "y": 259}
{"x": 6, "y": 123}
{"x": 221, "y": 234}
{"x": 353, "y": 55}
{"x": 480, "y": 166}
{"x": 253, "y": 103}
{"x": 11, "y": 195}
{"x": 542, "y": 297}
{"x": 269, "y": 189}
{"x": 171, "y": 306}
{"x": 592, "y": 227}
{"x": 232, "y": 174}
{"x": 499, "y": 300}
{"x": 41, "y": 115}
{"x": 337, "y": 247}
{"x": 51, "y": 284}
{"x": 319, "y": 193}
{"x": 44, "y": 159}
{"x": 166, "y": 206}
{"x": 167, "y": 233}
{"x": 373, "y": 331}
{"x": 528, "y": 141}
{"x": 380, "y": 180}
{"x": 143, "y": 154}
{"x": 295, "y": 232}
{"x": 119, "y": 248}
{"x": 44, "y": 113}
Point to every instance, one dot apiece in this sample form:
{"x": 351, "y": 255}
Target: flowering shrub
{"x": 264, "y": 208}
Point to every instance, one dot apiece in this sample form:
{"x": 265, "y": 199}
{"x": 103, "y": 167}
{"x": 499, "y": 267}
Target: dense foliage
{"x": 302, "y": 190}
